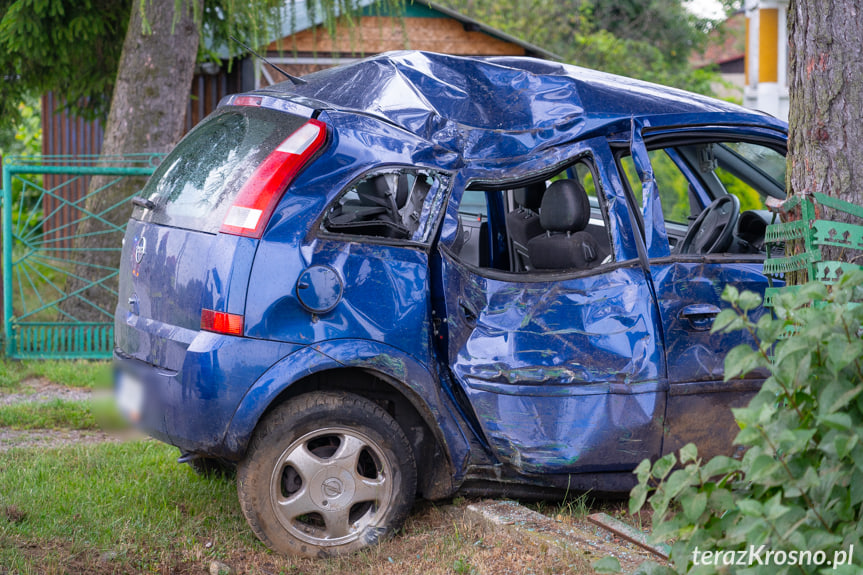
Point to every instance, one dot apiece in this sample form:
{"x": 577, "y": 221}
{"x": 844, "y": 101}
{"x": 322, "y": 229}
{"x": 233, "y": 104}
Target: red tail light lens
{"x": 247, "y": 101}
{"x": 253, "y": 206}
{"x": 221, "y": 322}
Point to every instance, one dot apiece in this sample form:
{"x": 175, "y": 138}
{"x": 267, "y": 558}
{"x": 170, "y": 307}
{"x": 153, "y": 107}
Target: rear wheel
{"x": 326, "y": 474}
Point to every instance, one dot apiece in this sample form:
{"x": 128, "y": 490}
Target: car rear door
{"x": 563, "y": 369}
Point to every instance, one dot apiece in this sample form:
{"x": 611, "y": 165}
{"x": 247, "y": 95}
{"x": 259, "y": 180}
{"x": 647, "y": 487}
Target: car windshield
{"x": 196, "y": 183}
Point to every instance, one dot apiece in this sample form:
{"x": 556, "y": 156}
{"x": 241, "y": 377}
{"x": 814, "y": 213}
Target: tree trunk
{"x": 147, "y": 114}
{"x": 825, "y": 143}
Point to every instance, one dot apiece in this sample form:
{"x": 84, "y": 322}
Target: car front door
{"x": 709, "y": 233}
{"x": 562, "y": 367}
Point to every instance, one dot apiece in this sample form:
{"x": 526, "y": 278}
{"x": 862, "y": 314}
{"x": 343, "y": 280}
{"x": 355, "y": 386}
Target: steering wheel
{"x": 713, "y": 229}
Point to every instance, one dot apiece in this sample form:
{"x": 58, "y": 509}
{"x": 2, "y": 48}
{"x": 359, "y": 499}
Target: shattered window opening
{"x": 396, "y": 204}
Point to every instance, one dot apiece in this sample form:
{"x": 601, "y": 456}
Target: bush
{"x": 794, "y": 503}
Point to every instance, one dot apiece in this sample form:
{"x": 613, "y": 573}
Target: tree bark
{"x": 825, "y": 142}
{"x": 147, "y": 113}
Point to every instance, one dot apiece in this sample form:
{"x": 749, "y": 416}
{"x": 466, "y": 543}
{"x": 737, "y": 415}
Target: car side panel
{"x": 419, "y": 385}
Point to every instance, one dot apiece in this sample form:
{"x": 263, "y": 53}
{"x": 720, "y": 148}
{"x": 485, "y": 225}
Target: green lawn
{"x": 131, "y": 501}
{"x": 81, "y": 373}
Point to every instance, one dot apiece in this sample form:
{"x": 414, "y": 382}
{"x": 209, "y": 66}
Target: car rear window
{"x": 197, "y": 182}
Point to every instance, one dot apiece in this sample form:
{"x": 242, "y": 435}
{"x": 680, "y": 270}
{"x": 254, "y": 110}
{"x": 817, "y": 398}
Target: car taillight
{"x": 251, "y": 210}
{"x": 221, "y": 322}
{"x": 247, "y": 101}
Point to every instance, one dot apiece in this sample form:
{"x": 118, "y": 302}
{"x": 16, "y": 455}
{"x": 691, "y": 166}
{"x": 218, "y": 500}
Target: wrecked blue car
{"x": 418, "y": 274}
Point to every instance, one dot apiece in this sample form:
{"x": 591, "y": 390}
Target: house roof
{"x": 726, "y": 44}
{"x": 299, "y": 15}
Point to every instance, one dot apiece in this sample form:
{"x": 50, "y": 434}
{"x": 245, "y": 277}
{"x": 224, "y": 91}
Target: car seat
{"x": 564, "y": 214}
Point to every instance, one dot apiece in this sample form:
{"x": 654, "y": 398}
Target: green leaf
{"x": 694, "y": 506}
{"x": 762, "y": 468}
{"x": 724, "y": 321}
{"x": 719, "y": 465}
{"x": 844, "y": 399}
{"x": 773, "y": 508}
{"x": 750, "y": 507}
{"x": 637, "y": 497}
{"x": 841, "y": 352}
{"x": 843, "y": 444}
{"x": 740, "y": 361}
{"x": 677, "y": 482}
{"x": 841, "y": 421}
{"x": 721, "y": 500}
{"x": 730, "y": 294}
{"x": 607, "y": 564}
{"x": 643, "y": 471}
{"x": 663, "y": 465}
{"x": 749, "y": 300}
{"x": 688, "y": 452}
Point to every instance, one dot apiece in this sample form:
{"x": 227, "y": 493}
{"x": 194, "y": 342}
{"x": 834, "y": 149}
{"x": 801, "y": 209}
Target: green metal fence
{"x": 810, "y": 233}
{"x": 49, "y": 266}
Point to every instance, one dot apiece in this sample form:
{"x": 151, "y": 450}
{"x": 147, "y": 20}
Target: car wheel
{"x": 326, "y": 474}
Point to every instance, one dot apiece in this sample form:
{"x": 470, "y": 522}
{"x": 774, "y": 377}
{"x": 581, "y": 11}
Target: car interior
{"x": 385, "y": 204}
{"x": 550, "y": 224}
{"x": 736, "y": 180}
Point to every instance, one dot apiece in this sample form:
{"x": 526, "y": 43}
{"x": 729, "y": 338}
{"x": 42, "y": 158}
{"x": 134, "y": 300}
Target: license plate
{"x": 129, "y": 396}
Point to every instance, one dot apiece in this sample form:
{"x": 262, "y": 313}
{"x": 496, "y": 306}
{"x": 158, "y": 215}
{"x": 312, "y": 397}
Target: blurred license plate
{"x": 130, "y": 395}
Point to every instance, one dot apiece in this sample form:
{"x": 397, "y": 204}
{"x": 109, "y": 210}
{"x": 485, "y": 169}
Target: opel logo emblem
{"x": 332, "y": 487}
{"x": 140, "y": 250}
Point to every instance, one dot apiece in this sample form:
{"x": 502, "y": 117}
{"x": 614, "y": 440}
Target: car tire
{"x": 326, "y": 474}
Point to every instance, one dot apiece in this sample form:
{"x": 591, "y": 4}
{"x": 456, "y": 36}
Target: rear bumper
{"x": 193, "y": 407}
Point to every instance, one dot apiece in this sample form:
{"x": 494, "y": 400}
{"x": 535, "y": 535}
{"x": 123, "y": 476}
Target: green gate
{"x": 50, "y": 266}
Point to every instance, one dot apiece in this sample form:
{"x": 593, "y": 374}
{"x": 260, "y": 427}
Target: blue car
{"x": 419, "y": 274}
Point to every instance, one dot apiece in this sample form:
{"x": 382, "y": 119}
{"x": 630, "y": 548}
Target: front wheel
{"x": 326, "y": 474}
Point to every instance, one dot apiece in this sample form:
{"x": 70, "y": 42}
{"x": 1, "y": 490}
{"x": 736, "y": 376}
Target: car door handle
{"x": 699, "y": 316}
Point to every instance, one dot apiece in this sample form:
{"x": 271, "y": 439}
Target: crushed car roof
{"x": 524, "y": 104}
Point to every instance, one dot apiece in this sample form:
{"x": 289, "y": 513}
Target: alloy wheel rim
{"x": 329, "y": 485}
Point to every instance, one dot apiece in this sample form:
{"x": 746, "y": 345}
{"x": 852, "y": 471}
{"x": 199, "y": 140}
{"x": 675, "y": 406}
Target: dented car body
{"x": 513, "y": 262}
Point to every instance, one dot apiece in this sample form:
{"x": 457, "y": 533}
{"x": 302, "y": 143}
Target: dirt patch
{"x": 39, "y": 390}
{"x": 50, "y": 438}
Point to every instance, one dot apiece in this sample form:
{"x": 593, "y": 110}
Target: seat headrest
{"x": 565, "y": 207}
{"x": 530, "y": 196}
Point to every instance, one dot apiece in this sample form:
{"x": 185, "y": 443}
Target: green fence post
{"x": 6, "y": 229}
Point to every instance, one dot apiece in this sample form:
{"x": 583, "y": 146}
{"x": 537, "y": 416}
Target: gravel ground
{"x": 42, "y": 390}
{"x": 37, "y": 390}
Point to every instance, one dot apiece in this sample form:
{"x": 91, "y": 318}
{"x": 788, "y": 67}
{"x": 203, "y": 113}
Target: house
{"x": 751, "y": 51}
{"x": 727, "y": 51}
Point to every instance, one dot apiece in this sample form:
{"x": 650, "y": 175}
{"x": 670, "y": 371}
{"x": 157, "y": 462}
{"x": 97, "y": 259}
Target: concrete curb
{"x": 580, "y": 537}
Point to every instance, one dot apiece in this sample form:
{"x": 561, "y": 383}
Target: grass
{"x": 129, "y": 507}
{"x": 54, "y": 414}
{"x": 81, "y": 373}
{"x": 131, "y": 499}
